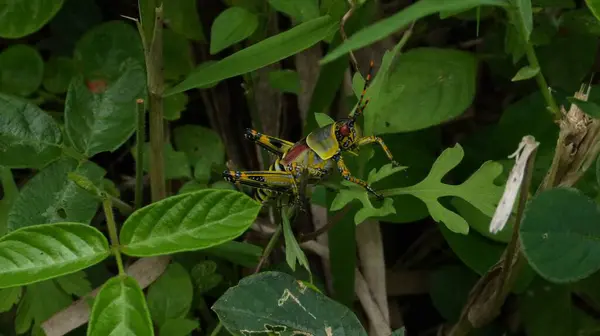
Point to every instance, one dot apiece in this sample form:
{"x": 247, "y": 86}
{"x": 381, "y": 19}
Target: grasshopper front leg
{"x": 375, "y": 139}
{"x": 348, "y": 176}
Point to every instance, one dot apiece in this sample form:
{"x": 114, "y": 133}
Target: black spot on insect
{"x": 257, "y": 178}
{"x": 276, "y": 143}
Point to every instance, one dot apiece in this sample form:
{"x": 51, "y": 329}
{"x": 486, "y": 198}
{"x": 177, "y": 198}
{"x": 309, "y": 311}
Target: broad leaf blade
{"x": 58, "y": 73}
{"x": 42, "y": 252}
{"x": 231, "y": 26}
{"x": 28, "y": 136}
{"x": 120, "y": 309}
{"x": 188, "y": 222}
{"x": 21, "y": 70}
{"x": 170, "y": 297}
{"x": 19, "y": 18}
{"x": 276, "y": 302}
{"x": 182, "y": 16}
{"x": 526, "y": 72}
{"x": 261, "y": 54}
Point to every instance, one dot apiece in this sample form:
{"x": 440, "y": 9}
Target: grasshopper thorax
{"x": 347, "y": 133}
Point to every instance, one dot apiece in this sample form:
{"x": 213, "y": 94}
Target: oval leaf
{"x": 182, "y": 16}
{"x": 277, "y": 302}
{"x": 188, "y": 222}
{"x": 120, "y": 309}
{"x": 526, "y": 72}
{"x": 261, "y": 54}
{"x": 28, "y": 136}
{"x": 231, "y": 26}
{"x": 561, "y": 236}
{"x": 47, "y": 251}
{"x": 19, "y": 18}
{"x": 100, "y": 111}
{"x": 21, "y": 70}
{"x": 170, "y": 297}
{"x": 431, "y": 85}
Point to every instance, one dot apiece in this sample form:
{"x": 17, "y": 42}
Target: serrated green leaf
{"x": 100, "y": 108}
{"x": 120, "y": 309}
{"x": 439, "y": 83}
{"x": 182, "y": 16}
{"x": 46, "y": 251}
{"x": 200, "y": 144}
{"x": 9, "y": 297}
{"x": 40, "y": 301}
{"x": 276, "y": 302}
{"x": 188, "y": 222}
{"x": 233, "y": 25}
{"x": 323, "y": 119}
{"x": 286, "y": 81}
{"x": 179, "y": 327}
{"x": 389, "y": 25}
{"x": 170, "y": 297}
{"x": 546, "y": 302}
{"x": 177, "y": 55}
{"x": 268, "y": 51}
{"x": 345, "y": 196}
{"x": 176, "y": 164}
{"x": 301, "y": 10}
{"x": 526, "y": 72}
{"x": 385, "y": 171}
{"x": 21, "y": 70}
{"x": 19, "y": 18}
{"x": 560, "y": 234}
{"x": 58, "y": 73}
{"x": 75, "y": 283}
{"x": 174, "y": 105}
{"x": 28, "y": 136}
{"x": 590, "y": 108}
{"x": 293, "y": 252}
{"x": 50, "y": 197}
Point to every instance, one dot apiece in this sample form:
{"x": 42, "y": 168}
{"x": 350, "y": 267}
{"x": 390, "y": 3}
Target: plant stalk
{"x": 112, "y": 232}
{"x": 139, "y": 162}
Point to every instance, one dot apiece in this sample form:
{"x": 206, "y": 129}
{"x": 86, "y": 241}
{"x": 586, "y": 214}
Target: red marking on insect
{"x": 345, "y": 130}
{"x": 294, "y": 152}
{"x": 96, "y": 85}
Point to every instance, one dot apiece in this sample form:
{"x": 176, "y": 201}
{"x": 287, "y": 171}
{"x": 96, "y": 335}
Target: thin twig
{"x": 345, "y": 18}
{"x": 112, "y": 232}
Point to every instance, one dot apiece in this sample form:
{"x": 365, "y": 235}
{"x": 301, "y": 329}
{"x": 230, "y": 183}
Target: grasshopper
{"x": 315, "y": 155}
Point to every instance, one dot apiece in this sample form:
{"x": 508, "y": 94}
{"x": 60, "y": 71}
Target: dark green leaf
{"x": 594, "y": 6}
{"x": 50, "y": 196}
{"x": 525, "y": 16}
{"x": 580, "y": 21}
{"x": 58, "y": 73}
{"x": 389, "y": 25}
{"x": 178, "y": 327}
{"x": 590, "y": 108}
{"x": 28, "y": 136}
{"x": 268, "y": 51}
{"x": 40, "y": 301}
{"x": 553, "y": 3}
{"x": 343, "y": 256}
{"x": 276, "y": 302}
{"x": 439, "y": 83}
{"x": 147, "y": 9}
{"x": 182, "y": 17}
{"x": 243, "y": 254}
{"x": 301, "y": 10}
{"x": 200, "y": 144}
{"x": 233, "y": 25}
{"x": 176, "y": 165}
{"x": 170, "y": 297}
{"x": 481, "y": 222}
{"x": 177, "y": 54}
{"x": 174, "y": 105}
{"x": 285, "y": 81}
{"x": 526, "y": 72}
{"x": 120, "y": 309}
{"x": 100, "y": 111}
{"x": 191, "y": 186}
{"x": 9, "y": 297}
{"x": 19, "y": 18}
{"x": 21, "y": 70}
{"x": 450, "y": 300}
{"x": 546, "y": 302}
{"x": 75, "y": 283}
{"x": 293, "y": 252}
{"x": 188, "y": 222}
{"x": 73, "y": 20}
{"x": 46, "y": 251}
{"x": 10, "y": 194}
{"x": 204, "y": 275}
{"x": 560, "y": 235}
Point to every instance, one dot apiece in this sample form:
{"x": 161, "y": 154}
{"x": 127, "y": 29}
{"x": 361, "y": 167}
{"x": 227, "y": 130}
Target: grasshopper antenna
{"x": 361, "y": 106}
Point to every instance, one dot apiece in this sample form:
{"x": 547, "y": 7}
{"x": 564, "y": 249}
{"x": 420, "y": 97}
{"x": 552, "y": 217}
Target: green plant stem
{"x": 139, "y": 148}
{"x": 112, "y": 232}
{"x": 123, "y": 207}
{"x": 270, "y": 246}
{"x": 217, "y": 329}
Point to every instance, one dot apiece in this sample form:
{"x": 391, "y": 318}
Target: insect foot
{"x": 251, "y": 134}
{"x": 395, "y": 163}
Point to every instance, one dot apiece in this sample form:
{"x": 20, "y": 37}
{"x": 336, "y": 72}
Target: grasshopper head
{"x": 347, "y": 134}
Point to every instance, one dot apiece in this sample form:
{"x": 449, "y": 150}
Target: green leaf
{"x": 239, "y": 253}
{"x": 399, "y": 332}
{"x": 9, "y": 297}
{"x": 233, "y": 25}
{"x": 10, "y": 193}
{"x": 277, "y": 302}
{"x": 480, "y": 222}
{"x": 581, "y": 21}
{"x": 367, "y": 210}
{"x": 177, "y": 55}
{"x": 560, "y": 235}
{"x": 323, "y": 119}
{"x": 174, "y": 105}
{"x": 58, "y": 73}
{"x": 523, "y": 9}
{"x": 40, "y": 301}
{"x": 479, "y": 189}
{"x": 28, "y": 136}
{"x": 200, "y": 144}
{"x": 182, "y": 17}
{"x": 170, "y": 297}
{"x": 526, "y": 72}
{"x": 188, "y": 222}
{"x": 21, "y": 70}
{"x": 191, "y": 186}
{"x": 594, "y": 6}
{"x": 546, "y": 302}
{"x": 590, "y": 108}
{"x": 120, "y": 309}
{"x": 268, "y": 51}
{"x": 75, "y": 283}
{"x": 176, "y": 165}
{"x": 204, "y": 275}
{"x": 390, "y": 25}
{"x": 301, "y": 10}
{"x": 100, "y": 108}
{"x": 147, "y": 12}
{"x": 179, "y": 327}
{"x": 19, "y": 18}
{"x": 286, "y": 81}
{"x": 450, "y": 300}
{"x": 50, "y": 196}
{"x": 293, "y": 252}
{"x": 439, "y": 83}
{"x": 46, "y": 251}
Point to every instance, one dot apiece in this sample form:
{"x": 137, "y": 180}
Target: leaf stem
{"x": 73, "y": 153}
{"x": 139, "y": 162}
{"x": 270, "y": 246}
{"x": 217, "y": 329}
{"x": 112, "y": 232}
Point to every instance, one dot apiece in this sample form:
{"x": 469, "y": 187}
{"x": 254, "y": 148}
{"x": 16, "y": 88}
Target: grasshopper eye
{"x": 345, "y": 130}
